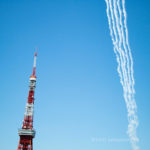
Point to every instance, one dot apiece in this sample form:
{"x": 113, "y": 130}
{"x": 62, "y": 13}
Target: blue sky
{"x": 78, "y": 95}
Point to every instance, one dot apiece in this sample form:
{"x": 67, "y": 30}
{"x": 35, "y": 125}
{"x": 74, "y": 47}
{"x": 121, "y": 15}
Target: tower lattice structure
{"x": 27, "y": 132}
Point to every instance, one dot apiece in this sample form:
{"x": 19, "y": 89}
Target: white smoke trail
{"x": 117, "y": 20}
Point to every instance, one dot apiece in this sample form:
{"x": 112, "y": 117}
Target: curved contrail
{"x": 117, "y": 20}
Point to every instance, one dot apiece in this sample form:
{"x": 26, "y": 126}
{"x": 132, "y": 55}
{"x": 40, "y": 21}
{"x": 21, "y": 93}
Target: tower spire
{"x": 27, "y": 133}
{"x": 34, "y": 64}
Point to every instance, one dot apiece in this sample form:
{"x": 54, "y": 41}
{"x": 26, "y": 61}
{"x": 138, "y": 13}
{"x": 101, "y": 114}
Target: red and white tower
{"x": 27, "y": 133}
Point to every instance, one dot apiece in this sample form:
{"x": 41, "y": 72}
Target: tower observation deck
{"x": 27, "y": 132}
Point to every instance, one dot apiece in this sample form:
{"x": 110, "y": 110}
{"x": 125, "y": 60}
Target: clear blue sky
{"x": 78, "y": 94}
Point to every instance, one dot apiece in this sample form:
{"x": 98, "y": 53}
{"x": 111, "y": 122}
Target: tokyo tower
{"x": 27, "y": 133}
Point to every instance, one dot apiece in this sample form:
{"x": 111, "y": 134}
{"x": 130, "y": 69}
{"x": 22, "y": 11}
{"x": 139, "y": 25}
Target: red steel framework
{"x": 27, "y": 133}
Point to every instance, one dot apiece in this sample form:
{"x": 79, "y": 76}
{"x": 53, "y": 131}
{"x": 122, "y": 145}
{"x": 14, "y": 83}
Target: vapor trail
{"x": 117, "y": 20}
